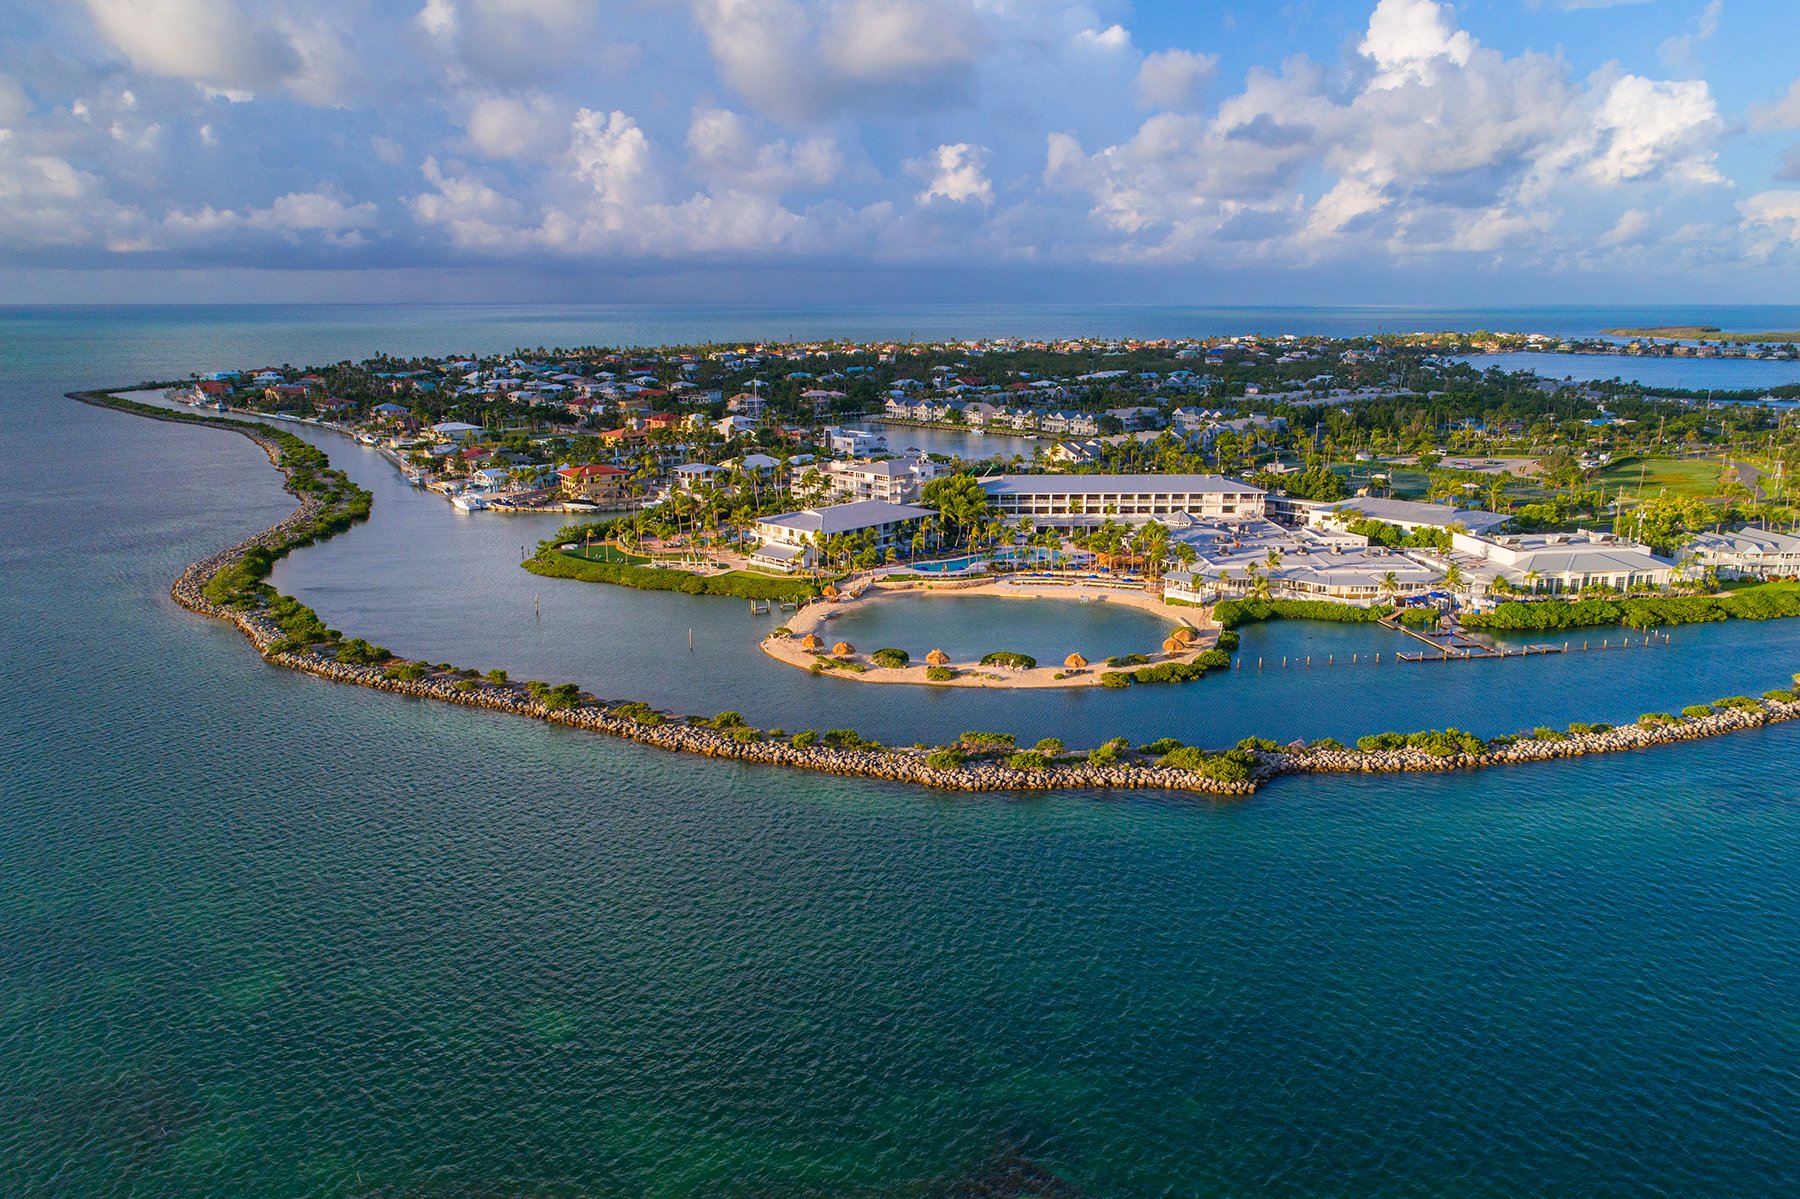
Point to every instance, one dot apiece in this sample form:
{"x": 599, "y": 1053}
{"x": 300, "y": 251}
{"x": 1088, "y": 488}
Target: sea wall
{"x": 684, "y": 735}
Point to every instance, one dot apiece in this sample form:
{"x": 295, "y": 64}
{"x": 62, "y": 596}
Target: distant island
{"x": 1705, "y": 333}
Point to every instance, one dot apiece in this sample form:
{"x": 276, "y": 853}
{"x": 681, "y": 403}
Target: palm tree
{"x": 1390, "y": 586}
{"x": 1534, "y": 578}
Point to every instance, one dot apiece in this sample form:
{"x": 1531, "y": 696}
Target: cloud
{"x": 800, "y": 61}
{"x": 1408, "y": 39}
{"x": 954, "y": 173}
{"x": 1658, "y": 129}
{"x": 1779, "y": 114}
{"x": 1174, "y": 78}
{"x": 208, "y": 41}
{"x": 726, "y": 149}
{"x": 323, "y": 217}
{"x": 1788, "y": 169}
{"x": 1772, "y": 219}
{"x": 525, "y": 127}
{"x": 1678, "y": 50}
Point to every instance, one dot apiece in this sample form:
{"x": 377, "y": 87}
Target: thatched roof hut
{"x": 937, "y": 657}
{"x": 1074, "y": 661}
{"x": 1183, "y": 633}
{"x": 828, "y": 591}
{"x": 811, "y": 641}
{"x": 1175, "y": 645}
{"x": 843, "y": 647}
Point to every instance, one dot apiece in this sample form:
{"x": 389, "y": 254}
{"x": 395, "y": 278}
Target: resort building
{"x": 1405, "y": 515}
{"x": 1073, "y": 501}
{"x": 1230, "y": 558}
{"x": 888, "y": 524}
{"x": 896, "y": 480}
{"x": 1747, "y": 553}
{"x": 691, "y": 476}
{"x": 1560, "y": 563}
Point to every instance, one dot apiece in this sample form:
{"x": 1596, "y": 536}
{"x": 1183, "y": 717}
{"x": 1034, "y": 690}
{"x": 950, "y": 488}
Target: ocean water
{"x": 262, "y": 935}
{"x": 1721, "y": 374}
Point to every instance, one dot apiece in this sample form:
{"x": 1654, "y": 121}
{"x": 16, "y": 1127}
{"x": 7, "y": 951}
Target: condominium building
{"x": 1070, "y": 501}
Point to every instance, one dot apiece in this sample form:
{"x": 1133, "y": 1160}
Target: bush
{"x": 1548, "y": 734}
{"x": 1105, "y": 755}
{"x": 1420, "y": 618}
{"x": 1376, "y": 742}
{"x": 1050, "y": 746}
{"x": 642, "y": 713}
{"x": 1233, "y": 613}
{"x": 1114, "y": 678}
{"x": 407, "y": 672}
{"x": 944, "y": 759}
{"x": 843, "y": 738}
{"x": 1259, "y": 745}
{"x": 744, "y": 732}
{"x": 892, "y": 659}
{"x": 560, "y": 697}
{"x": 1638, "y": 612}
{"x": 1781, "y": 697}
{"x": 1651, "y": 720}
{"x": 1168, "y": 672}
{"x": 727, "y": 720}
{"x": 1029, "y": 759}
{"x": 939, "y": 674}
{"x": 803, "y": 739}
{"x": 980, "y": 741}
{"x": 1009, "y": 659}
{"x": 1231, "y": 767}
{"x": 1697, "y": 711}
{"x": 1445, "y": 744}
{"x": 557, "y": 565}
{"x": 1741, "y": 702}
{"x": 1583, "y": 729}
{"x": 1162, "y": 747}
{"x": 357, "y": 652}
{"x": 1325, "y": 743}
{"x": 1229, "y": 640}
{"x": 496, "y": 677}
{"x": 1128, "y": 660}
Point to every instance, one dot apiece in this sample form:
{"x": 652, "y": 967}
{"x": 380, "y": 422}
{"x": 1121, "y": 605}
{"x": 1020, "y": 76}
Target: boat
{"x": 469, "y": 503}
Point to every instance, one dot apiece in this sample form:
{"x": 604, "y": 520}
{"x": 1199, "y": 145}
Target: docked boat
{"x": 469, "y": 503}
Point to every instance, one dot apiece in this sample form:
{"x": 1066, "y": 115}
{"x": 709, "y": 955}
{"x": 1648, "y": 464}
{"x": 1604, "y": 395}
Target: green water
{"x": 260, "y": 935}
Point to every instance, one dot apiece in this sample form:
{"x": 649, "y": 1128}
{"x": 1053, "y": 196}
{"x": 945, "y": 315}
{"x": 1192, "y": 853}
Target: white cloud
{"x": 726, "y": 150}
{"x": 1773, "y": 220}
{"x": 1678, "y": 49}
{"x": 1654, "y": 128}
{"x": 1174, "y": 78}
{"x": 323, "y": 216}
{"x": 208, "y": 41}
{"x": 610, "y": 153}
{"x": 1408, "y": 39}
{"x": 1634, "y": 225}
{"x": 954, "y": 173}
{"x": 523, "y": 127}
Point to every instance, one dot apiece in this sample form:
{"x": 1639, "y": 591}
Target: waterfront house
{"x": 595, "y": 481}
{"x": 1747, "y": 553}
{"x": 896, "y": 480}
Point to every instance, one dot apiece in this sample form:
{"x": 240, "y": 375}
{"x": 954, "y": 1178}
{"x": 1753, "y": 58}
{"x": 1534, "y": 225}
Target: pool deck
{"x": 817, "y": 617}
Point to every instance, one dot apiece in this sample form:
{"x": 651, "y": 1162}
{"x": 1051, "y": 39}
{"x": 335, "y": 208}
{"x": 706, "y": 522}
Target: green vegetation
{"x": 1693, "y": 477}
{"x": 804, "y": 739}
{"x": 1233, "y": 766}
{"x": 1229, "y": 640}
{"x": 979, "y": 742}
{"x": 1029, "y": 759}
{"x": 407, "y": 672}
{"x": 1009, "y": 659}
{"x": 1235, "y": 613}
{"x": 944, "y": 759}
{"x": 1128, "y": 660}
{"x": 1766, "y": 602}
{"x": 892, "y": 659}
{"x": 1697, "y": 711}
{"x": 939, "y": 674}
{"x": 558, "y": 565}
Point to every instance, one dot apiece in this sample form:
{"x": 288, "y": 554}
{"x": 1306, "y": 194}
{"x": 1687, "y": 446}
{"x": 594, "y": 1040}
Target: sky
{"x": 797, "y": 151}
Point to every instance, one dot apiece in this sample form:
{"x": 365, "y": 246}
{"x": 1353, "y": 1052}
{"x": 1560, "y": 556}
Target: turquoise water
{"x": 968, "y": 627}
{"x": 1724, "y": 374}
{"x": 946, "y": 565}
{"x": 260, "y": 935}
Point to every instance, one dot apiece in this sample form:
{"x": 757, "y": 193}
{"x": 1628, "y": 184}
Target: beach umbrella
{"x": 829, "y": 592}
{"x": 937, "y": 657}
{"x": 811, "y": 641}
{"x": 1074, "y": 661}
{"x": 1184, "y": 633}
{"x": 1173, "y": 646}
{"x": 843, "y": 647}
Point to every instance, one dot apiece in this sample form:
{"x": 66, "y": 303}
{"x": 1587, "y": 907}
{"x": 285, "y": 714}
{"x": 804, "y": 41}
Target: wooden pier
{"x": 1453, "y": 643}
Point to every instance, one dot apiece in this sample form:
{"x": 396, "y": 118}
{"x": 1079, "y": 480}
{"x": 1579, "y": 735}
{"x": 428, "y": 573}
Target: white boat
{"x": 469, "y": 503}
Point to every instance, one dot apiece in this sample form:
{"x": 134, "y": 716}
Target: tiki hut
{"x": 1183, "y": 634}
{"x": 937, "y": 657}
{"x": 1175, "y": 645}
{"x": 842, "y": 648}
{"x": 811, "y": 641}
{"x": 1074, "y": 661}
{"x": 828, "y": 591}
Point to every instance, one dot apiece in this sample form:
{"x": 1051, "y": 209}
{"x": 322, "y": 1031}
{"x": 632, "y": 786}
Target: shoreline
{"x": 637, "y": 722}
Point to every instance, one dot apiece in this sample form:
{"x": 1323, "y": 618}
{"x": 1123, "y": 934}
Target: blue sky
{"x": 739, "y": 151}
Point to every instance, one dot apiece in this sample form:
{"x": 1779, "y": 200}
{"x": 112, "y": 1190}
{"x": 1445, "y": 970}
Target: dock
{"x": 1453, "y": 643}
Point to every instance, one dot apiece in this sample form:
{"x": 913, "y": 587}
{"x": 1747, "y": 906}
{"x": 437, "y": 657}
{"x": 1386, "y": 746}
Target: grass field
{"x": 1680, "y": 476}
{"x": 608, "y": 552}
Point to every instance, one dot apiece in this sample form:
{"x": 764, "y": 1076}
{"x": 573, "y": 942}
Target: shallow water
{"x": 1723, "y": 374}
{"x": 261, "y": 935}
{"x": 967, "y": 627}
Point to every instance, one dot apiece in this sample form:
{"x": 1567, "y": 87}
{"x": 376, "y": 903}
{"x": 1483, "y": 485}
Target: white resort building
{"x": 1075, "y": 501}
{"x": 789, "y": 541}
{"x": 1298, "y": 564}
{"x": 1747, "y": 553}
{"x": 1405, "y": 515}
{"x": 896, "y": 480}
{"x": 1559, "y": 563}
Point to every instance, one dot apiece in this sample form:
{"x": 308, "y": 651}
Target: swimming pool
{"x": 949, "y": 565}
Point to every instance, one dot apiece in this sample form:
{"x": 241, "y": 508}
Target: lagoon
{"x": 968, "y": 627}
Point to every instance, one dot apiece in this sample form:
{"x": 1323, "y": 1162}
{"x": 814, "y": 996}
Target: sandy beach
{"x": 815, "y": 618}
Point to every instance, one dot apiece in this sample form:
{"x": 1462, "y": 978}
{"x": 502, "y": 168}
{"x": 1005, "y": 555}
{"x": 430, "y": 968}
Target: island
{"x": 1203, "y": 485}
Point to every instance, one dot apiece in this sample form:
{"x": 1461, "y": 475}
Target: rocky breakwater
{"x": 1516, "y": 751}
